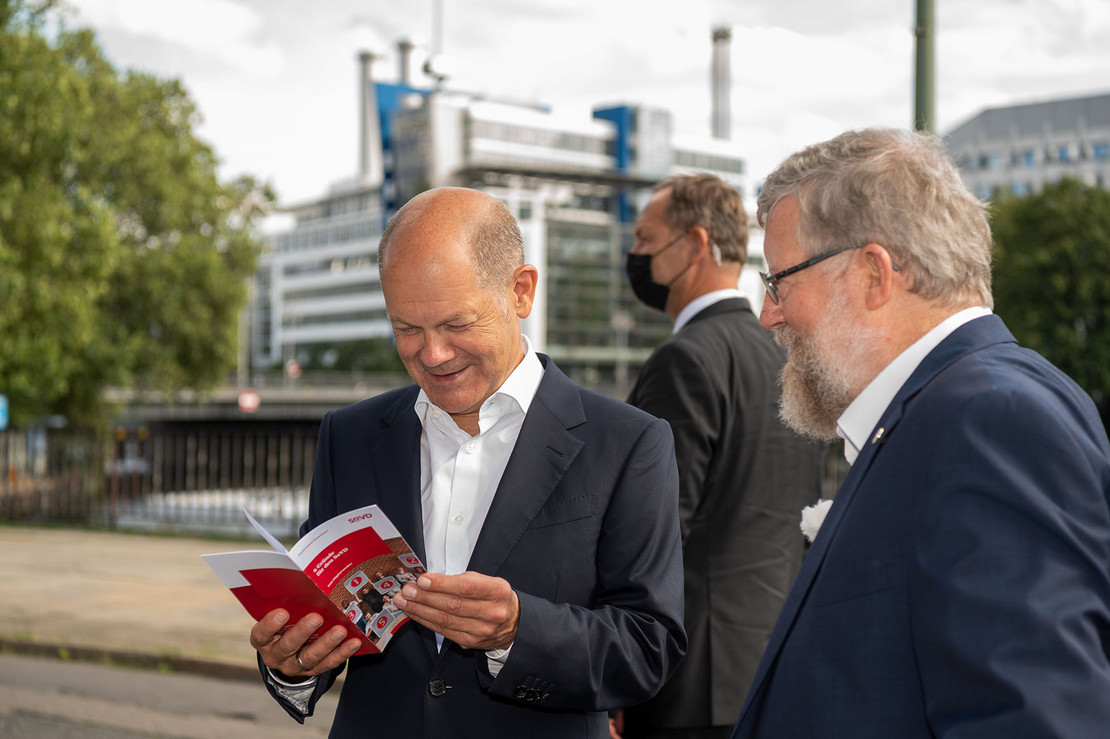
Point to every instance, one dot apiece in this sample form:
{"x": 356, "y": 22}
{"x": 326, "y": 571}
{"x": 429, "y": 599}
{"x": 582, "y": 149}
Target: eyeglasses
{"x": 770, "y": 281}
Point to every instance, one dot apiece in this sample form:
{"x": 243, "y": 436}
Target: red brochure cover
{"x": 347, "y": 569}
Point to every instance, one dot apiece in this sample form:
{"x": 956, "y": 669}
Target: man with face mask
{"x": 743, "y": 475}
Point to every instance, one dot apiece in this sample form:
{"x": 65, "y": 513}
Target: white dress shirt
{"x": 459, "y": 475}
{"x": 700, "y": 303}
{"x": 856, "y": 423}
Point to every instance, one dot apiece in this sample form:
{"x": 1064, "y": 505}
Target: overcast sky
{"x": 276, "y": 80}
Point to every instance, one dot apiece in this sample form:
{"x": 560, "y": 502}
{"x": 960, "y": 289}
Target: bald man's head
{"x": 457, "y": 216}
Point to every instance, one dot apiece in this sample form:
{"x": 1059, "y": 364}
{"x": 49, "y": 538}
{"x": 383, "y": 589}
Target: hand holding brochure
{"x": 347, "y": 570}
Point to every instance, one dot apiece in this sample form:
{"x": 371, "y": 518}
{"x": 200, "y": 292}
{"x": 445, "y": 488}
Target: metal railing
{"x": 187, "y": 479}
{"x": 178, "y": 478}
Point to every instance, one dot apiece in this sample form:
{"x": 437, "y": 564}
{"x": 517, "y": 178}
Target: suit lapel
{"x": 543, "y": 453}
{"x": 811, "y": 565}
{"x": 971, "y": 336}
{"x": 395, "y": 463}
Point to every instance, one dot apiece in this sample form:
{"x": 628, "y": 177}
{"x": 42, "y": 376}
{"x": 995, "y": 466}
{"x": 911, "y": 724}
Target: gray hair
{"x": 896, "y": 188}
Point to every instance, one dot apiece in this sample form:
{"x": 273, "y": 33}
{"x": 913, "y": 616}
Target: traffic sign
{"x": 249, "y": 401}
{"x": 3, "y": 412}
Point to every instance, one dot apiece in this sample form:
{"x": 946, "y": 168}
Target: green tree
{"x": 123, "y": 258}
{"x": 1052, "y": 259}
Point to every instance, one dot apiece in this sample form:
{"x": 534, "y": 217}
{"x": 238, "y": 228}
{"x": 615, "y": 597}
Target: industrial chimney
{"x": 721, "y": 83}
{"x": 370, "y": 136}
{"x": 404, "y": 56}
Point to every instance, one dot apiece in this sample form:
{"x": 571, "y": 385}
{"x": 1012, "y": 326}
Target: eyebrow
{"x": 454, "y": 318}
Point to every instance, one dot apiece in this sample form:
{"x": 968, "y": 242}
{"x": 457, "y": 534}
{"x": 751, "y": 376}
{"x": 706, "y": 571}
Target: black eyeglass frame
{"x": 770, "y": 280}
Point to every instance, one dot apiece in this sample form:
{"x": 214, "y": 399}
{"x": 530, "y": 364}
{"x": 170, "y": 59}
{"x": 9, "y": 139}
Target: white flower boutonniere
{"x": 812, "y": 518}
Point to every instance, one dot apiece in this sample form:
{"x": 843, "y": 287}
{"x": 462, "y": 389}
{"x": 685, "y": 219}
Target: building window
{"x": 1101, "y": 151}
{"x": 991, "y": 160}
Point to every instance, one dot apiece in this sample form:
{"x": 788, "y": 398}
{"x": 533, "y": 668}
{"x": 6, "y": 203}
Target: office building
{"x": 1020, "y": 148}
{"x": 574, "y": 185}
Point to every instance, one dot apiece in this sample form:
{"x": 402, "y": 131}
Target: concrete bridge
{"x": 263, "y": 398}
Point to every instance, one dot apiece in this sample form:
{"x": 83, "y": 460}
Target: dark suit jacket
{"x": 584, "y": 526}
{"x": 744, "y": 479}
{"x": 960, "y": 585}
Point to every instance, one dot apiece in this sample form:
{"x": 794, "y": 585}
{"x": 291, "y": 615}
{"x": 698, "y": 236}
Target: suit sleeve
{"x": 675, "y": 386}
{"x": 621, "y": 650}
{"x": 1010, "y": 591}
{"x": 322, "y": 500}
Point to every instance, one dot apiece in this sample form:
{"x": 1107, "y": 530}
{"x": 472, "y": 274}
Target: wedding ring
{"x": 301, "y": 664}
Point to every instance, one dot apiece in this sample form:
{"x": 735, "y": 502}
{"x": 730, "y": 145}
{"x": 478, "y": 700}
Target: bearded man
{"x": 960, "y": 585}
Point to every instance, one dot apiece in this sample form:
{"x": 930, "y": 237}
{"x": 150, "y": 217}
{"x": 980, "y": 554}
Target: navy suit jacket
{"x": 960, "y": 585}
{"x": 584, "y": 526}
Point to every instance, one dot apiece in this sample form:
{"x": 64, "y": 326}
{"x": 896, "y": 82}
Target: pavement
{"x": 122, "y": 598}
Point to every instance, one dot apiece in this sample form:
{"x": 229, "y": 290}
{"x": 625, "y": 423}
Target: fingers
{"x": 292, "y": 651}
{"x": 329, "y": 651}
{"x": 473, "y": 610}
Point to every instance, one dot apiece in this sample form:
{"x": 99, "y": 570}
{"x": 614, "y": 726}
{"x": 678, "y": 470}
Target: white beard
{"x": 824, "y": 373}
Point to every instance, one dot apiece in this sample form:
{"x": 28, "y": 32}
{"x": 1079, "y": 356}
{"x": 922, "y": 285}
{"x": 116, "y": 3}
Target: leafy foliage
{"x": 1052, "y": 258}
{"x": 123, "y": 258}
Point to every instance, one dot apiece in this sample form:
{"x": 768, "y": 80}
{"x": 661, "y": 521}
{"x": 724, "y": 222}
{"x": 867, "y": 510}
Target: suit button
{"x": 437, "y": 687}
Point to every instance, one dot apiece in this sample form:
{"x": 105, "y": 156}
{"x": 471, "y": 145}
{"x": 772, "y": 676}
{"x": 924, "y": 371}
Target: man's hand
{"x": 473, "y": 610}
{"x": 281, "y": 651}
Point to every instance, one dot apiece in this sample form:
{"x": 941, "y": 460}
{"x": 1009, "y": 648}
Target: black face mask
{"x": 648, "y": 291}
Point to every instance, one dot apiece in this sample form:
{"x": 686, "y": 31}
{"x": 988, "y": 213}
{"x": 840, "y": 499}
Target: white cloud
{"x": 275, "y": 80}
{"x": 217, "y": 29}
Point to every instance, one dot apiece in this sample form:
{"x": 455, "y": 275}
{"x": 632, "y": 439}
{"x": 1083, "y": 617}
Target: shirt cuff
{"x": 495, "y": 659}
{"x": 298, "y": 694}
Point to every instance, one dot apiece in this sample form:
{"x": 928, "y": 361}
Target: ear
{"x": 699, "y": 240}
{"x": 523, "y": 290}
{"x": 880, "y": 276}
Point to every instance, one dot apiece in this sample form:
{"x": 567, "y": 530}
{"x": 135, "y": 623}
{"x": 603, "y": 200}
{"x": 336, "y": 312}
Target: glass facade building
{"x": 574, "y": 186}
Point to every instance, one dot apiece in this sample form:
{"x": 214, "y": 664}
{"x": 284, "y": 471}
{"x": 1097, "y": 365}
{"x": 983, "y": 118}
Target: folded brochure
{"x": 347, "y": 570}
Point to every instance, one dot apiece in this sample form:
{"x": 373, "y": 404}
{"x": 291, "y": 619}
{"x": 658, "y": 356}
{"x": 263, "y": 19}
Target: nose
{"x": 770, "y": 315}
{"x": 436, "y": 350}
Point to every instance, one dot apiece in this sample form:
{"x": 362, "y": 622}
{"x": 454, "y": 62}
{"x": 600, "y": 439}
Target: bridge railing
{"x": 188, "y": 479}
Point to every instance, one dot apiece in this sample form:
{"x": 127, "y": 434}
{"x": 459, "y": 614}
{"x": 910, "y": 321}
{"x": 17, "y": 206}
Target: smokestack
{"x": 370, "y": 136}
{"x": 721, "y": 83}
{"x": 404, "y": 53}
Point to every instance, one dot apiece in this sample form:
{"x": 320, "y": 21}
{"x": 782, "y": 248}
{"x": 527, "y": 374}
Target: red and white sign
{"x": 381, "y": 624}
{"x": 249, "y": 401}
{"x": 356, "y": 581}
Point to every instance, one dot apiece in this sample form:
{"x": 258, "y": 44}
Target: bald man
{"x": 547, "y": 515}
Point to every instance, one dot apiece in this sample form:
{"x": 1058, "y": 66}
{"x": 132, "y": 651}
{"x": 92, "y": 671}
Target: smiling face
{"x": 458, "y": 340}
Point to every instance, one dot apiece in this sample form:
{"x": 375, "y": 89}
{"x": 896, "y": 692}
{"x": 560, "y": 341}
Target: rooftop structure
{"x": 1021, "y": 147}
{"x": 573, "y": 184}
